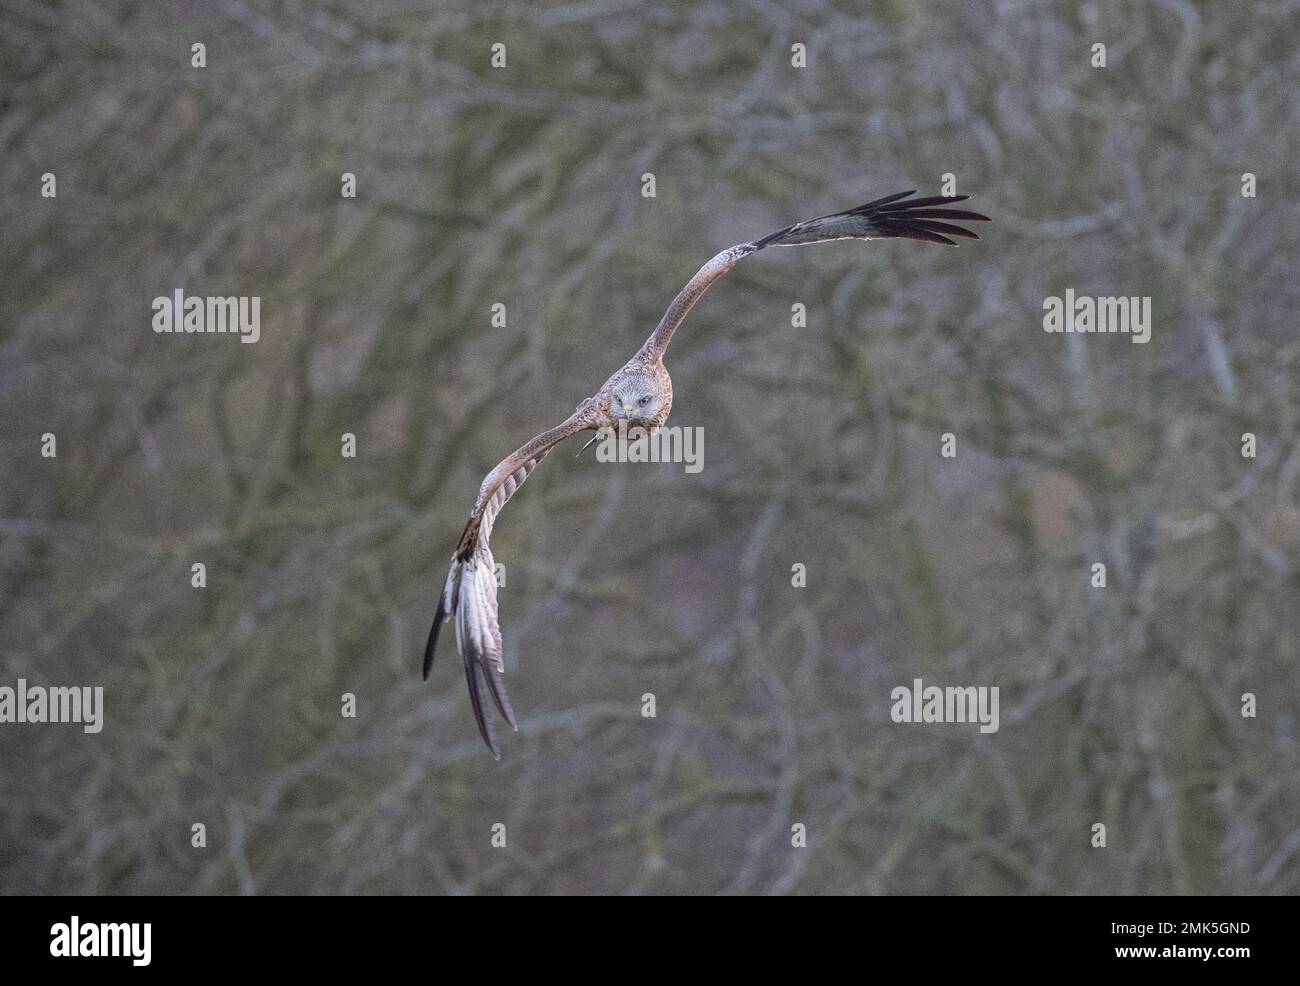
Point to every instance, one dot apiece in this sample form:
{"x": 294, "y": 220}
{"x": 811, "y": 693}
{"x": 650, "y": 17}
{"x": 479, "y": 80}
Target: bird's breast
{"x": 664, "y": 384}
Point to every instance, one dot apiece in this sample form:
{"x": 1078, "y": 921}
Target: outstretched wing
{"x": 470, "y": 593}
{"x": 890, "y": 217}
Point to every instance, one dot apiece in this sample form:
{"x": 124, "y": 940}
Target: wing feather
{"x": 895, "y": 216}
{"x": 470, "y": 593}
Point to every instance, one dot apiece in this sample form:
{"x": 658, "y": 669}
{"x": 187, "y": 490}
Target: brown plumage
{"x": 640, "y": 394}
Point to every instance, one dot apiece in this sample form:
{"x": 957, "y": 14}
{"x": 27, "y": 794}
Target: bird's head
{"x": 634, "y": 398}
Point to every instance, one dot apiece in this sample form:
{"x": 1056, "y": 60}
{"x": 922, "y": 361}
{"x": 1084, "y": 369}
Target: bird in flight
{"x": 638, "y": 396}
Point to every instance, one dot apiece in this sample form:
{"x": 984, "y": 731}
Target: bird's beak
{"x": 627, "y": 409}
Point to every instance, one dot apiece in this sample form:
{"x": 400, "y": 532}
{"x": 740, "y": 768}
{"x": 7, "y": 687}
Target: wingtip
{"x": 488, "y": 736}
{"x": 428, "y": 652}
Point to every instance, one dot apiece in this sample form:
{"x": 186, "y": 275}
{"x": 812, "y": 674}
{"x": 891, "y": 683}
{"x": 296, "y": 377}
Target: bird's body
{"x": 637, "y": 396}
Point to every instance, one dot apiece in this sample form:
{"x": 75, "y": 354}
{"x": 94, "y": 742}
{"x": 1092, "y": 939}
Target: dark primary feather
{"x": 886, "y": 200}
{"x": 432, "y": 645}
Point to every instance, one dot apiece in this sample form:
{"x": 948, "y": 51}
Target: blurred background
{"x": 521, "y": 185}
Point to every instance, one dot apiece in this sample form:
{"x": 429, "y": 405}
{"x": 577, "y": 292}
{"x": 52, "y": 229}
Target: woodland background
{"x": 521, "y": 185}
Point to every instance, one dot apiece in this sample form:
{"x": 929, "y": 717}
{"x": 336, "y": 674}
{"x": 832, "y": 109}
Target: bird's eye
{"x": 645, "y": 400}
